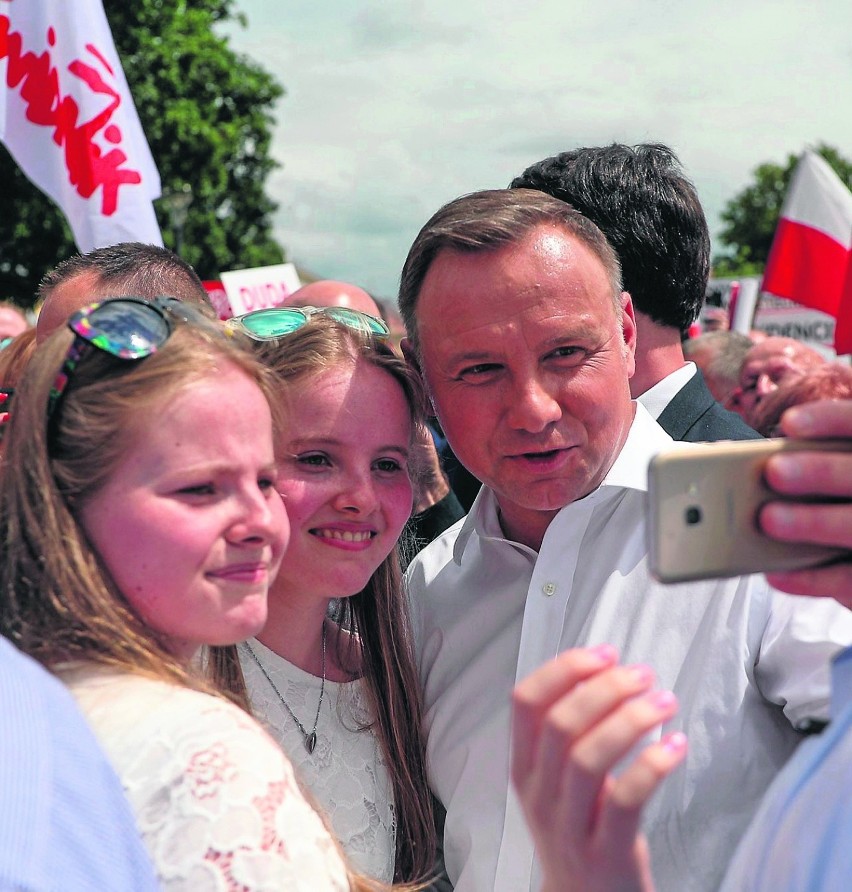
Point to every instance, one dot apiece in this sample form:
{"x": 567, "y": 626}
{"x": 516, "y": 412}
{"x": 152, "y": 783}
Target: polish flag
{"x": 67, "y": 118}
{"x": 810, "y": 257}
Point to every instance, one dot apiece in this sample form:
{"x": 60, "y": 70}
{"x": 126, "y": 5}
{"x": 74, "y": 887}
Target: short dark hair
{"x": 488, "y": 220}
{"x": 133, "y": 268}
{"x": 649, "y": 211}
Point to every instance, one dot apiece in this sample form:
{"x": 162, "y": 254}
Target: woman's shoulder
{"x": 133, "y": 714}
{"x": 212, "y": 792}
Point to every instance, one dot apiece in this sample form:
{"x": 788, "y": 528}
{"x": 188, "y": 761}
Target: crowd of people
{"x": 317, "y": 610}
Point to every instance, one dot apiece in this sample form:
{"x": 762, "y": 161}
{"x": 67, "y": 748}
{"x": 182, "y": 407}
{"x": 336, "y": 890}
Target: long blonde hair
{"x": 377, "y": 617}
{"x": 59, "y": 602}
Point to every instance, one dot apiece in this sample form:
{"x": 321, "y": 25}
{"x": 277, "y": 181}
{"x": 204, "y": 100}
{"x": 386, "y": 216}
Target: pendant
{"x": 311, "y": 741}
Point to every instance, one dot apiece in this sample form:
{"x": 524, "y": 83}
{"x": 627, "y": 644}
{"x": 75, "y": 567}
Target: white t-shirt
{"x": 746, "y": 663}
{"x": 215, "y": 798}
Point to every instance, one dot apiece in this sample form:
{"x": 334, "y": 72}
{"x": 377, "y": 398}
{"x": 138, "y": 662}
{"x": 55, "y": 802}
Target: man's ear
{"x": 628, "y": 329}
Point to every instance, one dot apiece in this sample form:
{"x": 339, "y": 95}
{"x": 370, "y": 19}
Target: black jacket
{"x": 694, "y": 416}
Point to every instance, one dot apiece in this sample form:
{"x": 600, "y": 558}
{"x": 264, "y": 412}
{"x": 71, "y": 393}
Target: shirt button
{"x": 549, "y": 588}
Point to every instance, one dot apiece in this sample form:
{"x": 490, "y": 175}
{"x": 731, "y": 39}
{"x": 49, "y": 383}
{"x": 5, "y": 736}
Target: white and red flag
{"x": 68, "y": 120}
{"x": 809, "y": 261}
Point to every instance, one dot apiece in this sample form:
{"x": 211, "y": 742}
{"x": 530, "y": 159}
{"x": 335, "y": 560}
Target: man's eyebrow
{"x": 465, "y": 357}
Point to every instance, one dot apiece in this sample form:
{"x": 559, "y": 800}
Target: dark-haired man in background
{"x": 129, "y": 268}
{"x": 650, "y": 213}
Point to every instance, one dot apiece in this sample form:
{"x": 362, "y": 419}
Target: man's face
{"x": 766, "y": 366}
{"x": 528, "y": 366}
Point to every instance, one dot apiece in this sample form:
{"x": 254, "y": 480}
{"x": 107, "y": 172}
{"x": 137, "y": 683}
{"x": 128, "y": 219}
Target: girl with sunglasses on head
{"x": 140, "y": 521}
{"x": 332, "y": 672}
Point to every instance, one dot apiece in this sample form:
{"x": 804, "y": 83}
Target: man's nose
{"x": 533, "y": 407}
{"x": 765, "y": 385}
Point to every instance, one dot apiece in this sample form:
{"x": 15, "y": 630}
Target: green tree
{"x": 751, "y": 216}
{"x": 207, "y": 114}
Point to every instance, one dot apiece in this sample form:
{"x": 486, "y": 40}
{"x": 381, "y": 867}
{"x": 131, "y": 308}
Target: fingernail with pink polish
{"x": 662, "y": 699}
{"x": 606, "y": 653}
{"x": 675, "y": 742}
{"x": 641, "y": 674}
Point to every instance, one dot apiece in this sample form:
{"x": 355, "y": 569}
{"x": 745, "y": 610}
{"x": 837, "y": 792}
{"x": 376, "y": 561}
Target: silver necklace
{"x": 310, "y": 739}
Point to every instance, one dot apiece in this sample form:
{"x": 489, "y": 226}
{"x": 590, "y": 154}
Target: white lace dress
{"x": 346, "y": 774}
{"x": 215, "y": 799}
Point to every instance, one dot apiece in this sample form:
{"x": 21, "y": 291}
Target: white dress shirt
{"x": 747, "y": 664}
{"x": 656, "y": 398}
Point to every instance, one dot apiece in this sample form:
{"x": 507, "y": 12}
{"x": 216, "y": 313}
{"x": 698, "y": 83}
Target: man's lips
{"x": 533, "y": 454}
{"x": 542, "y": 459}
{"x": 248, "y": 572}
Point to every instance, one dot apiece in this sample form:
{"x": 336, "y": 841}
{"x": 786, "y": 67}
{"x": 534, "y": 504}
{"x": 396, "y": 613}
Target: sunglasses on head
{"x": 125, "y": 327}
{"x": 278, "y": 322}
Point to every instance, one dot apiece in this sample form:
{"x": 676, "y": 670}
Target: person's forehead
{"x": 772, "y": 359}
{"x": 519, "y": 306}
{"x": 70, "y": 295}
{"x": 775, "y": 363}
{"x": 349, "y": 403}
{"x": 547, "y": 257}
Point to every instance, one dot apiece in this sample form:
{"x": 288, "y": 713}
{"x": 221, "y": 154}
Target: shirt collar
{"x": 644, "y": 440}
{"x": 629, "y": 471}
{"x": 656, "y": 398}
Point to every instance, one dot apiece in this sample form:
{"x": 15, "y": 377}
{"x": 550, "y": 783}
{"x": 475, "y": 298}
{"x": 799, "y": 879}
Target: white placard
{"x": 263, "y": 286}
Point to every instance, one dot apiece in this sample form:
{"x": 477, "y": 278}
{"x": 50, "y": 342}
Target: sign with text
{"x": 263, "y": 286}
{"x": 750, "y": 308}
{"x": 216, "y": 293}
{"x": 784, "y": 318}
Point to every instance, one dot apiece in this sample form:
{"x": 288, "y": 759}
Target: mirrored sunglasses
{"x": 125, "y": 327}
{"x": 278, "y": 322}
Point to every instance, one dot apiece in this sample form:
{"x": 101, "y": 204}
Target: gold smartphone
{"x": 703, "y": 506}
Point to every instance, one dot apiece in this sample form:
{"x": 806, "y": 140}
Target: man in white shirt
{"x": 574, "y": 718}
{"x": 515, "y": 312}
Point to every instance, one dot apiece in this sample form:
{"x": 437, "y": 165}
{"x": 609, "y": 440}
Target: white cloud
{"x": 392, "y": 110}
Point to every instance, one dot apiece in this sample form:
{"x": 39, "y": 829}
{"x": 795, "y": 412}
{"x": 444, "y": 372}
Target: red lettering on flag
{"x": 89, "y": 167}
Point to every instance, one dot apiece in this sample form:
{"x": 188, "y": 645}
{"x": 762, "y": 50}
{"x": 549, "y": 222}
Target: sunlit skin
{"x": 345, "y": 481}
{"x": 766, "y": 366}
{"x": 329, "y": 293}
{"x": 12, "y": 323}
{"x": 814, "y": 477}
{"x": 528, "y": 365}
{"x": 190, "y": 524}
{"x": 66, "y": 298}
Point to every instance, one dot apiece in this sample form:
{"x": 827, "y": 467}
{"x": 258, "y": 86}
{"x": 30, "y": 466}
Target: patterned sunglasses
{"x": 125, "y": 327}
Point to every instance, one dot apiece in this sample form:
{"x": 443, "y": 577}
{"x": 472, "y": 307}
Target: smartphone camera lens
{"x": 693, "y": 515}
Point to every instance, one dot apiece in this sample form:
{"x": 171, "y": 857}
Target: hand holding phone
{"x": 703, "y": 511}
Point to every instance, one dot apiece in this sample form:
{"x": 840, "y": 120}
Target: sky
{"x": 393, "y": 109}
